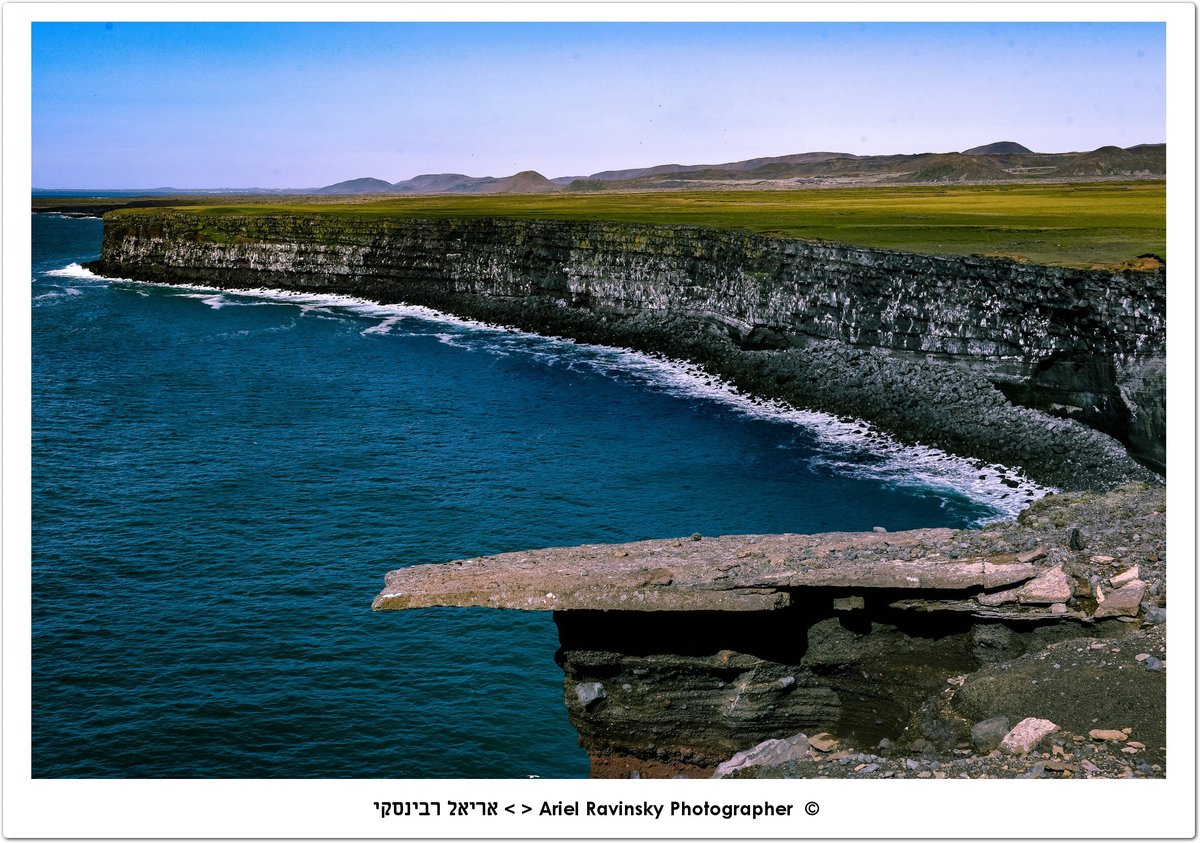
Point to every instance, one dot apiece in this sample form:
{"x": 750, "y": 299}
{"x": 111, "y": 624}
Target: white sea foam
{"x": 384, "y": 327}
{"x": 74, "y": 270}
{"x": 222, "y": 300}
{"x": 215, "y": 302}
{"x": 844, "y": 446}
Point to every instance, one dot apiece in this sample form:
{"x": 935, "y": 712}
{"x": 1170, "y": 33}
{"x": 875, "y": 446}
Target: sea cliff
{"x": 678, "y": 653}
{"x": 1008, "y": 362}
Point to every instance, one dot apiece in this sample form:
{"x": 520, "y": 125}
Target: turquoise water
{"x": 221, "y": 480}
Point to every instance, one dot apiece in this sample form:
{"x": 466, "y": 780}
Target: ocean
{"x": 221, "y": 480}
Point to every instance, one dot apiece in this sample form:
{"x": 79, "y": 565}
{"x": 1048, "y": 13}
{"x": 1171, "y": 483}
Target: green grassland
{"x": 1084, "y": 224}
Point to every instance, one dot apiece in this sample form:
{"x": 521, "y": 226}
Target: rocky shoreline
{"x": 918, "y": 647}
{"x": 1111, "y": 689}
{"x": 928, "y": 401}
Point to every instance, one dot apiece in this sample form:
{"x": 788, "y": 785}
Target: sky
{"x": 293, "y": 105}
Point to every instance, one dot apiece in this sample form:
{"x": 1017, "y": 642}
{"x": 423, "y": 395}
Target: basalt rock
{"x": 980, "y": 356}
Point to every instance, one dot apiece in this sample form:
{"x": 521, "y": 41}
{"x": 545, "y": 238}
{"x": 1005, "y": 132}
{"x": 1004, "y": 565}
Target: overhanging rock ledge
{"x": 678, "y": 653}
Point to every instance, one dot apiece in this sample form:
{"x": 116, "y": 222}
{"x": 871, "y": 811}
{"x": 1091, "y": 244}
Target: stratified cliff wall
{"x": 918, "y": 344}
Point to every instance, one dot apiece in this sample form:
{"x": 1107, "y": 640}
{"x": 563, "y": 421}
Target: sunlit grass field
{"x": 1096, "y": 224}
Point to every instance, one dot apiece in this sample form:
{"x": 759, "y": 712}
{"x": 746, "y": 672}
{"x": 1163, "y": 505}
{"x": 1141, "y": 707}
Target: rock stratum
{"x": 678, "y": 654}
{"x": 1060, "y": 371}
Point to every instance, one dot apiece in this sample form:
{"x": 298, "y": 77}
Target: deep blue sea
{"x": 221, "y": 480}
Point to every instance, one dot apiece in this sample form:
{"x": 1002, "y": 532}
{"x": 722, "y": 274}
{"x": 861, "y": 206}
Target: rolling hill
{"x": 999, "y": 162}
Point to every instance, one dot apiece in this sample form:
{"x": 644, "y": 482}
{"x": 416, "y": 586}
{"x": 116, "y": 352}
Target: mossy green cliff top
{"x": 1084, "y": 225}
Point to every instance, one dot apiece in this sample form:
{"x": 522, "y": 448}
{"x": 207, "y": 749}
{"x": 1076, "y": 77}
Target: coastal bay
{"x": 899, "y": 332}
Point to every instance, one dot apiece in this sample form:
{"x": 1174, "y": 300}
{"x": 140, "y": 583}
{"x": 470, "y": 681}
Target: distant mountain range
{"x": 1003, "y": 161}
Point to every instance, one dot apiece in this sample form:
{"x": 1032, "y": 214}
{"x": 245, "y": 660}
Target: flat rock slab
{"x": 726, "y": 573}
{"x": 1037, "y": 568}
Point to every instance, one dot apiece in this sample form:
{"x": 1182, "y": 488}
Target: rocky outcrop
{"x": 928, "y": 348}
{"x": 678, "y": 654}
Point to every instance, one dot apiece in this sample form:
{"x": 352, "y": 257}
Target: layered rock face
{"x": 1081, "y": 344}
{"x": 678, "y": 653}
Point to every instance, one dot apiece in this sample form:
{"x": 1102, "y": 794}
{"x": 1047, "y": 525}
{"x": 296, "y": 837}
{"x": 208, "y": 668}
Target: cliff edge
{"x": 1060, "y": 371}
{"x": 679, "y": 653}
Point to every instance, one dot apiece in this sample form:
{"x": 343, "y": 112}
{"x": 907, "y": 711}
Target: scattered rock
{"x": 1075, "y": 542}
{"x": 1051, "y": 586}
{"x": 1031, "y": 555}
{"x": 987, "y": 734}
{"x": 878, "y": 529}
{"x": 1027, "y": 734}
{"x": 590, "y": 693}
{"x": 1155, "y": 615}
{"x": 773, "y": 751}
{"x": 1107, "y": 735}
{"x": 822, "y": 742}
{"x": 1126, "y": 576}
{"x": 1152, "y": 663}
{"x": 1034, "y": 772}
{"x": 1125, "y": 600}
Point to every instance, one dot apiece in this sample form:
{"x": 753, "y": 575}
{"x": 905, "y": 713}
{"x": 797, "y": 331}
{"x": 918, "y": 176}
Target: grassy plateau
{"x": 1106, "y": 224}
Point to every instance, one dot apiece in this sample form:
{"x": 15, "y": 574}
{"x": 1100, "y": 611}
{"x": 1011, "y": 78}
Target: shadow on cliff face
{"x": 682, "y": 691}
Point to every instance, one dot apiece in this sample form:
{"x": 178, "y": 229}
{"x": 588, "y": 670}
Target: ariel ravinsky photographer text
{"x": 655, "y": 809}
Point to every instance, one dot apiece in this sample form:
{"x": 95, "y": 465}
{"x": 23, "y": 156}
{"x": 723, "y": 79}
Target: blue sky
{"x": 208, "y": 105}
